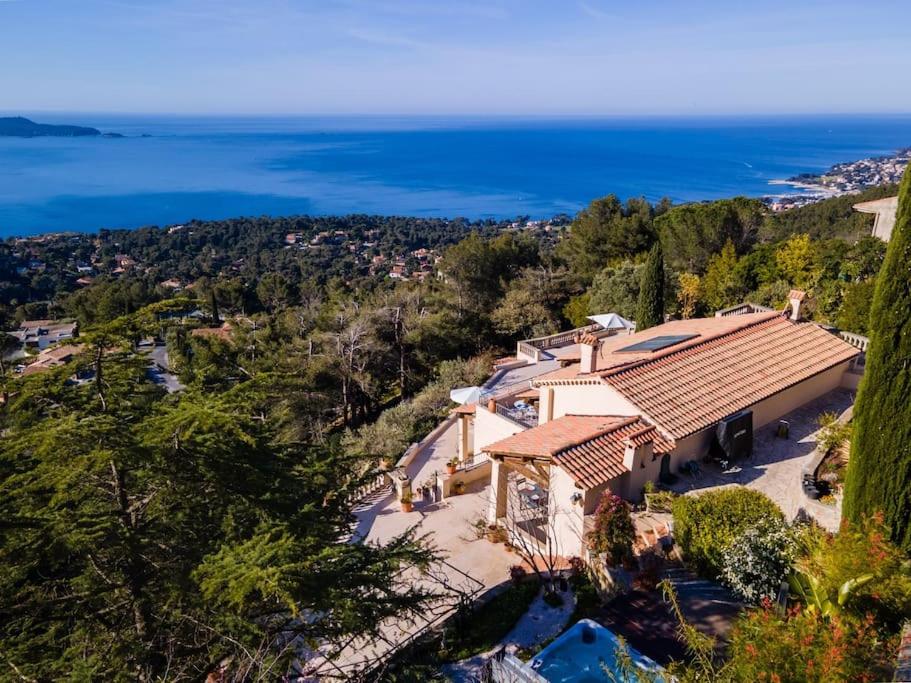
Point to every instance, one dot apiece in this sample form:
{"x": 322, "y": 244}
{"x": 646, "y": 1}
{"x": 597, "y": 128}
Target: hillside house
{"x": 637, "y": 407}
{"x": 37, "y": 335}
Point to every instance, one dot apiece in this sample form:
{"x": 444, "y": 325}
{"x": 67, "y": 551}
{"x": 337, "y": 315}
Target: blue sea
{"x": 218, "y": 167}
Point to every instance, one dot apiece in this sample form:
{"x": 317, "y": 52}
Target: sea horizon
{"x": 212, "y": 167}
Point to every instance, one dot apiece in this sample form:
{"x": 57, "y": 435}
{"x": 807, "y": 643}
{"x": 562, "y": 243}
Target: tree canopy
{"x": 149, "y": 535}
{"x": 879, "y": 472}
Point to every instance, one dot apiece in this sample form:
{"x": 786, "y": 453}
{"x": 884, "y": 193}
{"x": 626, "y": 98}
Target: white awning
{"x": 612, "y": 321}
{"x": 465, "y": 395}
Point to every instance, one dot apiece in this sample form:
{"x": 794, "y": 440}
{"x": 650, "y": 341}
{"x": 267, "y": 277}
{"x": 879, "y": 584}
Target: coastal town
{"x": 843, "y": 178}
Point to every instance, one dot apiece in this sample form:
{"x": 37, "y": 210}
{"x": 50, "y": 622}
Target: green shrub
{"x": 858, "y": 550}
{"x": 706, "y": 524}
{"x": 553, "y": 599}
{"x": 613, "y": 532}
{"x": 832, "y": 433}
{"x": 805, "y": 646}
{"x": 488, "y": 624}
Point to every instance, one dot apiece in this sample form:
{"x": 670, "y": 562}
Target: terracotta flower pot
{"x": 451, "y": 469}
{"x": 407, "y": 507}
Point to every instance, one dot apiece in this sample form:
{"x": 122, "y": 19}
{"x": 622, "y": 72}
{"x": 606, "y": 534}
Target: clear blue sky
{"x": 450, "y": 57}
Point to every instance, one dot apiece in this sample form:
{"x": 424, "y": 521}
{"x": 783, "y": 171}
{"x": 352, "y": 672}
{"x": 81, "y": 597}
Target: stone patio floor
{"x": 448, "y": 523}
{"x": 776, "y": 465}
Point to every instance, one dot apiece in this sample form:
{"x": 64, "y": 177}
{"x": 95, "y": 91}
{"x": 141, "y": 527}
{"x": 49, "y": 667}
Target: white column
{"x": 498, "y": 481}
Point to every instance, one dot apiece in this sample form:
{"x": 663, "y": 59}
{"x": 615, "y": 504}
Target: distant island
{"x": 21, "y": 127}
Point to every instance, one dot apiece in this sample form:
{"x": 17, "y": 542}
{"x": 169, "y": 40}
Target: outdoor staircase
{"x": 363, "y": 504}
{"x": 687, "y": 584}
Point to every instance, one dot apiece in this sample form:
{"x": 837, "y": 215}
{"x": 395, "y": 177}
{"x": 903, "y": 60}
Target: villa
{"x": 641, "y": 407}
{"x": 37, "y": 335}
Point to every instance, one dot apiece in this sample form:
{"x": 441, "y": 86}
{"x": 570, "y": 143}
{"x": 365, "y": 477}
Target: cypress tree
{"x": 879, "y": 473}
{"x": 650, "y": 308}
{"x": 213, "y": 304}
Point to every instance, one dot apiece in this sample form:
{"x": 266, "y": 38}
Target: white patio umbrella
{"x": 466, "y": 395}
{"x": 612, "y": 321}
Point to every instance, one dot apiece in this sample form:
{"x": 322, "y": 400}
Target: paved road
{"x": 160, "y": 370}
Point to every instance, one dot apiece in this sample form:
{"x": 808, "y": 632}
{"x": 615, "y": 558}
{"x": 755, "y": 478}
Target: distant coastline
{"x": 849, "y": 177}
{"x": 212, "y": 168}
{"x": 21, "y": 127}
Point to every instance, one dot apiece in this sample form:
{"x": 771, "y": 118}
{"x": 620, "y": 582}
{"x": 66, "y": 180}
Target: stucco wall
{"x": 567, "y": 520}
{"x": 697, "y": 445}
{"x": 775, "y": 406}
{"x": 588, "y": 399}
{"x": 490, "y": 428}
{"x": 616, "y": 486}
{"x": 467, "y": 475}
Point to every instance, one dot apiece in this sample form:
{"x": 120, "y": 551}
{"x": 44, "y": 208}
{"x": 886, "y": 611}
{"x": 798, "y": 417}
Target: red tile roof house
{"x": 640, "y": 405}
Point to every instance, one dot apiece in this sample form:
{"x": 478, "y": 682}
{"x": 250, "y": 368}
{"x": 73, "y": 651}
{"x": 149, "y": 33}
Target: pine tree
{"x": 879, "y": 474}
{"x": 148, "y": 537}
{"x": 650, "y": 311}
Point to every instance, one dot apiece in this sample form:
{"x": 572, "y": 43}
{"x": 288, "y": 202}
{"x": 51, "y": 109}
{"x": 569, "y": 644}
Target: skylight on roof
{"x": 657, "y": 343}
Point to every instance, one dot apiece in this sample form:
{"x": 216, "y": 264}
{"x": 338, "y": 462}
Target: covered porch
{"x": 520, "y": 498}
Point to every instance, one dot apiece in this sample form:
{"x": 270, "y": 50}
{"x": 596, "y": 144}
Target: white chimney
{"x": 588, "y": 349}
{"x": 796, "y": 298}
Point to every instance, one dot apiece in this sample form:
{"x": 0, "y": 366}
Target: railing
{"x": 561, "y": 338}
{"x": 527, "y": 349}
{"x": 520, "y": 418}
{"x": 742, "y": 309}
{"x": 378, "y": 483}
{"x": 858, "y": 341}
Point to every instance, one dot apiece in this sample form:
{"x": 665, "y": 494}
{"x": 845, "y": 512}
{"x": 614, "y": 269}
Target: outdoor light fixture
{"x": 576, "y": 497}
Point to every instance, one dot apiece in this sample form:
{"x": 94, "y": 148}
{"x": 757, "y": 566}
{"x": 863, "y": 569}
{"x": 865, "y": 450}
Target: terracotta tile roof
{"x": 589, "y": 448}
{"x": 550, "y": 438}
{"x": 223, "y": 332}
{"x": 600, "y": 459}
{"x": 692, "y": 386}
{"x": 608, "y": 352}
{"x": 52, "y": 358}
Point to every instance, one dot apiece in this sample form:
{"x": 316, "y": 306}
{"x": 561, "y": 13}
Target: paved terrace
{"x": 472, "y": 565}
{"x": 449, "y": 522}
{"x": 776, "y": 465}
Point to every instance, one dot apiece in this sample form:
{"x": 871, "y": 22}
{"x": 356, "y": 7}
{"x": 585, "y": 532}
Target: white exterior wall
{"x": 616, "y": 486}
{"x": 697, "y": 445}
{"x": 567, "y": 520}
{"x": 783, "y": 402}
{"x": 490, "y": 428}
{"x": 586, "y": 399}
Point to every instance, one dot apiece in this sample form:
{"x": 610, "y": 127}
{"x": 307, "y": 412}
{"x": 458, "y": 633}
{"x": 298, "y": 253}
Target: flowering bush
{"x": 804, "y": 646}
{"x": 754, "y": 565}
{"x": 705, "y": 525}
{"x": 613, "y": 532}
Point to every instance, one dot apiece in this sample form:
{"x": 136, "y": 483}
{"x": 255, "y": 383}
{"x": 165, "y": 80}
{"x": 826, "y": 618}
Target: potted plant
{"x": 452, "y": 465}
{"x": 406, "y": 501}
